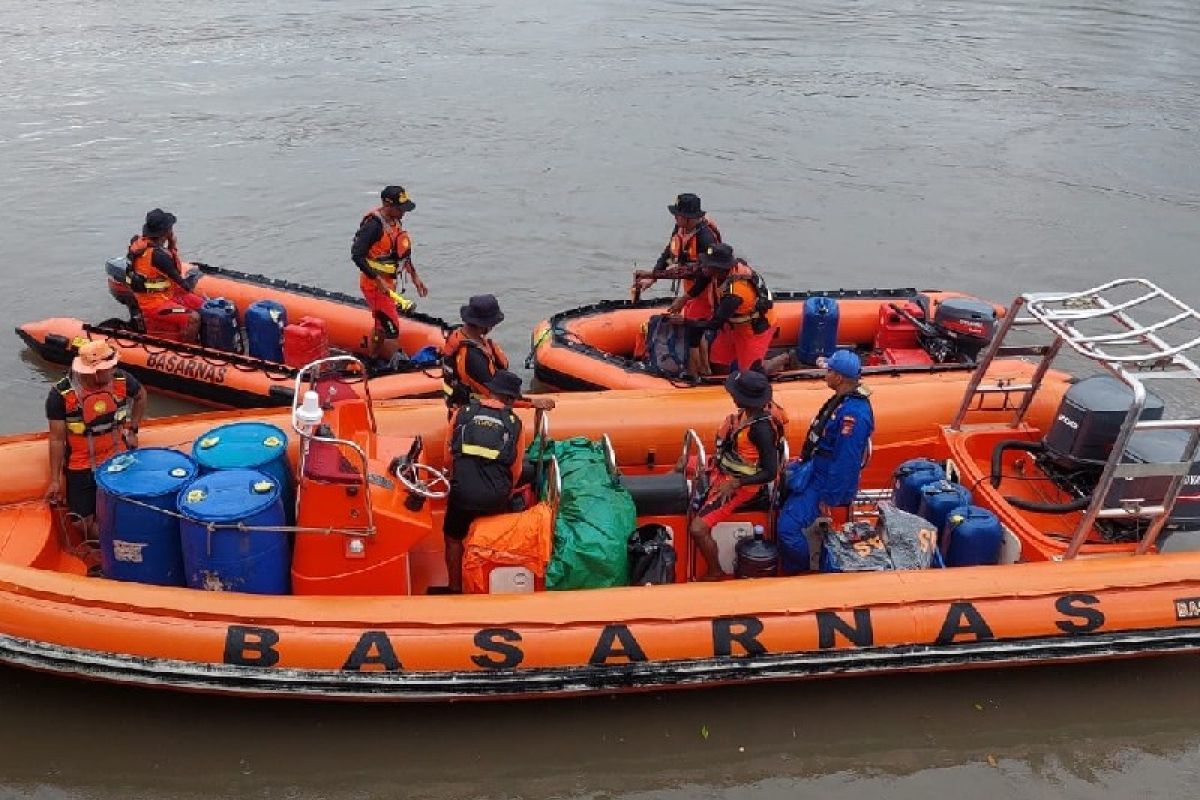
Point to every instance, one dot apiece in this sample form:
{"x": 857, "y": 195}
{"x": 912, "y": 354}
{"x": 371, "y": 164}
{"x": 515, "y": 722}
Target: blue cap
{"x": 845, "y": 362}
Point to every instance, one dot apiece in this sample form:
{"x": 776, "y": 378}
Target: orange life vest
{"x": 736, "y": 455}
{"x": 94, "y": 421}
{"x": 141, "y": 274}
{"x": 754, "y": 297}
{"x": 457, "y": 384}
{"x": 392, "y": 249}
{"x": 685, "y": 249}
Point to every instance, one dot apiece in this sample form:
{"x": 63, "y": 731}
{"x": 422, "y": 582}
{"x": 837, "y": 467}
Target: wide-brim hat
{"x": 94, "y": 356}
{"x": 482, "y": 310}
{"x": 749, "y": 389}
{"x": 396, "y": 196}
{"x": 158, "y": 223}
{"x": 687, "y": 205}
{"x": 718, "y": 256}
{"x": 505, "y": 383}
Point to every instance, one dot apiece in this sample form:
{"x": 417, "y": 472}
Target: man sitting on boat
{"x": 382, "y": 251}
{"x": 743, "y": 317}
{"x": 168, "y": 306}
{"x": 487, "y": 445}
{"x": 746, "y": 459}
{"x": 826, "y": 475}
{"x": 694, "y": 232}
{"x": 94, "y": 412}
{"x": 470, "y": 360}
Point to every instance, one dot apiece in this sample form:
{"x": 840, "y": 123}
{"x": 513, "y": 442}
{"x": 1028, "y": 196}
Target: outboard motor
{"x": 1079, "y": 443}
{"x": 115, "y": 269}
{"x": 962, "y": 326}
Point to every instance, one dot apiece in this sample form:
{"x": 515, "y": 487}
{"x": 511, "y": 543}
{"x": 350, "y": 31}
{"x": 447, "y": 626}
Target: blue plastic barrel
{"x": 248, "y": 445}
{"x": 974, "y": 536}
{"x": 939, "y": 498}
{"x": 224, "y": 558}
{"x": 138, "y": 541}
{"x": 265, "y": 321}
{"x": 818, "y": 329}
{"x": 908, "y": 479}
{"x": 219, "y": 325}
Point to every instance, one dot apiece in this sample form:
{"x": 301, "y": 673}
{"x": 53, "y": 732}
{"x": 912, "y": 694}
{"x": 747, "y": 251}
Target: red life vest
{"x": 457, "y": 384}
{"x": 94, "y": 421}
{"x": 141, "y": 274}
{"x": 392, "y": 249}
{"x": 736, "y": 455}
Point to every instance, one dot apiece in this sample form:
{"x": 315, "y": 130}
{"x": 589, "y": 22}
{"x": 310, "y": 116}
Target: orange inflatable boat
{"x": 223, "y": 379}
{"x": 896, "y": 331}
{"x": 1093, "y": 558}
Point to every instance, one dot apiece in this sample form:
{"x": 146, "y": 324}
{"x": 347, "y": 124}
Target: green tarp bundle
{"x": 595, "y": 518}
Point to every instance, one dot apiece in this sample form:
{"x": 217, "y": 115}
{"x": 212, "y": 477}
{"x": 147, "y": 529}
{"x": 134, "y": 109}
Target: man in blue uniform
{"x": 827, "y": 472}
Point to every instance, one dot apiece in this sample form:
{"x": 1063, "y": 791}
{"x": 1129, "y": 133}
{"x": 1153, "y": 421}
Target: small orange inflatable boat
{"x": 224, "y": 379}
{"x": 1098, "y": 560}
{"x": 897, "y": 331}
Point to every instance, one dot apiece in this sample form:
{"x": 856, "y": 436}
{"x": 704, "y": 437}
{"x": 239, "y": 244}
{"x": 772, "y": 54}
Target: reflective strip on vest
{"x": 383, "y": 267}
{"x": 482, "y": 452}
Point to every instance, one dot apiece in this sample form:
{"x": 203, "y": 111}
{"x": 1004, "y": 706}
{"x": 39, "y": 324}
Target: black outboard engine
{"x": 118, "y": 287}
{"x": 962, "y": 327}
{"x": 1079, "y": 443}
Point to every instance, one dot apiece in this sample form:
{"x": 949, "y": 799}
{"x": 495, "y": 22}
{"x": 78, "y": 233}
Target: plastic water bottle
{"x": 758, "y": 532}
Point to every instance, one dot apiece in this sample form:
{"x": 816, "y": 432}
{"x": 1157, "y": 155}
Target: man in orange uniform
{"x": 743, "y": 318}
{"x": 487, "y": 445}
{"x": 694, "y": 232}
{"x": 382, "y": 251}
{"x": 746, "y": 458}
{"x": 168, "y": 306}
{"x": 470, "y": 359}
{"x": 94, "y": 412}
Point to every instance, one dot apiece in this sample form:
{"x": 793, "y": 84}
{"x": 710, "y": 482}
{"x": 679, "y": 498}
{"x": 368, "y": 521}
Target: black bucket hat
{"x": 482, "y": 310}
{"x": 158, "y": 223}
{"x": 686, "y": 205}
{"x": 718, "y": 256}
{"x": 749, "y": 389}
{"x": 505, "y": 383}
{"x": 396, "y": 196}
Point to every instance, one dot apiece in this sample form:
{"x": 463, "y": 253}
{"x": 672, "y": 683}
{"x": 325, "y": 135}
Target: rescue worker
{"x": 94, "y": 412}
{"x": 382, "y": 251}
{"x": 166, "y": 301}
{"x": 826, "y": 474}
{"x": 487, "y": 445}
{"x": 470, "y": 359}
{"x": 743, "y": 317}
{"x": 694, "y": 232}
{"x": 746, "y": 459}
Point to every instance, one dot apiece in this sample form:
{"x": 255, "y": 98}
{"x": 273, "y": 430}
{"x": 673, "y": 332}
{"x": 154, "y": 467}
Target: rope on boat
{"x": 242, "y": 527}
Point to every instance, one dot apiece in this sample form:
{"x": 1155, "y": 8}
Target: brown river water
{"x": 990, "y": 147}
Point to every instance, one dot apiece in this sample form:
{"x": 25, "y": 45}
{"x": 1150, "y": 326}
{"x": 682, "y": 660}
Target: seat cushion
{"x": 657, "y": 495}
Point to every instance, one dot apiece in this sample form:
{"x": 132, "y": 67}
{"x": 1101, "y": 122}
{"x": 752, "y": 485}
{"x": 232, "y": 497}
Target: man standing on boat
{"x": 94, "y": 412}
{"x": 745, "y": 460}
{"x": 470, "y": 360}
{"x": 487, "y": 445}
{"x": 694, "y": 232}
{"x": 382, "y": 251}
{"x": 826, "y": 475}
{"x": 168, "y": 306}
{"x": 743, "y": 317}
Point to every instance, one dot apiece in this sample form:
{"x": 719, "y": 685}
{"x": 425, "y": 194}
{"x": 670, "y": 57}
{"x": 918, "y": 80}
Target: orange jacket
{"x": 141, "y": 263}
{"x": 736, "y": 455}
{"x": 392, "y": 249}
{"x": 754, "y": 298}
{"x": 457, "y": 383}
{"x": 94, "y": 422}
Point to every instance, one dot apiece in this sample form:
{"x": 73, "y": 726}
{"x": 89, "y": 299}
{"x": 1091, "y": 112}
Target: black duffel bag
{"x": 651, "y": 556}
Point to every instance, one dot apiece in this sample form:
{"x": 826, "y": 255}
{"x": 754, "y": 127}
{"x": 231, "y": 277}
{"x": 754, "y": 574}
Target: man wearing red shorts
{"x": 382, "y": 251}
{"x": 746, "y": 458}
{"x": 743, "y": 316}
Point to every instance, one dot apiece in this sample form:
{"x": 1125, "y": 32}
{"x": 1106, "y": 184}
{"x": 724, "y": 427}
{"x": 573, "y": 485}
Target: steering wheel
{"x": 423, "y": 480}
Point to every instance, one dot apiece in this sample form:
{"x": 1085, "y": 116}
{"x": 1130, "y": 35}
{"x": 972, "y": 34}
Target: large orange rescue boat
{"x": 1097, "y": 558}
